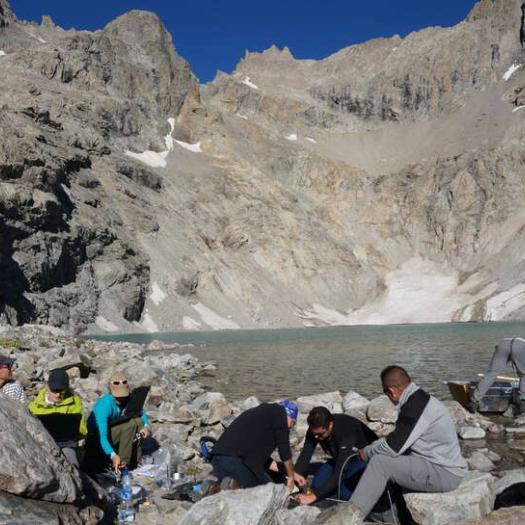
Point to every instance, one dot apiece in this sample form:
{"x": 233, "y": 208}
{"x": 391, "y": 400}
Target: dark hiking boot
{"x": 520, "y": 408}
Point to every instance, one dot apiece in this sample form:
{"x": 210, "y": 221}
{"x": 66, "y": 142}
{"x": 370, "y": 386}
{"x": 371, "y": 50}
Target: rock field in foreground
{"x": 182, "y": 412}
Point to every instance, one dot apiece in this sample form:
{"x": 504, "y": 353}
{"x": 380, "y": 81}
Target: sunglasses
{"x": 117, "y": 383}
{"x": 57, "y": 391}
{"x": 6, "y": 366}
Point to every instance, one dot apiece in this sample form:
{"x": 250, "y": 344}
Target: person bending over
{"x": 421, "y": 454}
{"x": 340, "y": 436}
{"x": 243, "y": 450}
{"x": 510, "y": 349}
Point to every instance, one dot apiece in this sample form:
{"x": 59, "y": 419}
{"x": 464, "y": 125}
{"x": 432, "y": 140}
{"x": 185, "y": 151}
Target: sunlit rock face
{"x": 382, "y": 184}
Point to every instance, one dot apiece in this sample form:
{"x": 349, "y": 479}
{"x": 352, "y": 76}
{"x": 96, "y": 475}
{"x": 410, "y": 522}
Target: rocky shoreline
{"x": 38, "y": 486}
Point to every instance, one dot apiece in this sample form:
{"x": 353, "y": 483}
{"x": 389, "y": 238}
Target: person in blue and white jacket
{"x": 421, "y": 454}
{"x": 107, "y": 441}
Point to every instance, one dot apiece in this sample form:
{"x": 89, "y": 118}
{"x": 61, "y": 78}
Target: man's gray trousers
{"x": 409, "y": 471}
{"x": 510, "y": 349}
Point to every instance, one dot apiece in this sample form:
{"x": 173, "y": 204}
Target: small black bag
{"x": 511, "y": 496}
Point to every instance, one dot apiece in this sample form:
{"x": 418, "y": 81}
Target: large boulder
{"x": 32, "y": 464}
{"x": 463, "y": 418}
{"x": 471, "y": 433}
{"x": 472, "y": 499}
{"x": 22, "y": 511}
{"x": 480, "y": 460}
{"x": 249, "y": 402}
{"x": 354, "y": 401}
{"x": 305, "y": 515}
{"x": 509, "y": 477}
{"x": 506, "y": 516}
{"x": 382, "y": 409}
{"x": 256, "y": 506}
{"x": 212, "y": 407}
{"x": 342, "y": 514}
{"x": 331, "y": 400}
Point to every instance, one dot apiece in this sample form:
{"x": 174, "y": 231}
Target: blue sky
{"x": 214, "y": 34}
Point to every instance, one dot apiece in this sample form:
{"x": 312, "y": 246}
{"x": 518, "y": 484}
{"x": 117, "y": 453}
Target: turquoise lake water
{"x": 292, "y": 362}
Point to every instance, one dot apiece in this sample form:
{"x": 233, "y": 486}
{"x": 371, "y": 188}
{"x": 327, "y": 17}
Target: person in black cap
{"x": 61, "y": 412}
{"x": 8, "y": 386}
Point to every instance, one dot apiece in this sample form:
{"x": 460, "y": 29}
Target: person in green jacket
{"x": 61, "y": 413}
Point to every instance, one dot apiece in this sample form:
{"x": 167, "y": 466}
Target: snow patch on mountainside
{"x": 189, "y": 323}
{"x": 505, "y": 303}
{"x": 512, "y": 69}
{"x": 157, "y": 295}
{"x": 196, "y": 148}
{"x": 105, "y": 325}
{"x": 156, "y": 159}
{"x": 213, "y": 319}
{"x": 249, "y": 83}
{"x": 419, "y": 291}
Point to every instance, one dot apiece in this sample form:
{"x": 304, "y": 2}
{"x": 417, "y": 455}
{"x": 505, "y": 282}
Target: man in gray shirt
{"x": 421, "y": 454}
{"x": 510, "y": 349}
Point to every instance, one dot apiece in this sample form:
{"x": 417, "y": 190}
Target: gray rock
{"x": 170, "y": 413}
{"x": 305, "y": 515}
{"x": 177, "y": 434}
{"x": 515, "y": 430}
{"x": 505, "y": 516}
{"x": 256, "y": 506}
{"x": 352, "y": 401}
{"x": 341, "y": 514}
{"x": 472, "y": 499}
{"x": 16, "y": 510}
{"x": 510, "y": 477}
{"x": 480, "y": 461}
{"x": 471, "y": 433}
{"x": 331, "y": 400}
{"x": 381, "y": 409}
{"x": 216, "y": 412}
{"x": 32, "y": 464}
{"x": 204, "y": 401}
{"x": 249, "y": 402}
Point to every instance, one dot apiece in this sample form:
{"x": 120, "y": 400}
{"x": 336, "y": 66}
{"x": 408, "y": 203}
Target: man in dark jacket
{"x": 244, "y": 448}
{"x": 340, "y": 436}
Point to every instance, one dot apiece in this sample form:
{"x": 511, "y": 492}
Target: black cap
{"x": 4, "y": 360}
{"x": 58, "y": 380}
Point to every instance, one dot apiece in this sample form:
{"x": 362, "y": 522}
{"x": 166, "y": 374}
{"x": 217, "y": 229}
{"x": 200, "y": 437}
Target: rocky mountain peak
{"x": 6, "y": 14}
{"x": 294, "y": 192}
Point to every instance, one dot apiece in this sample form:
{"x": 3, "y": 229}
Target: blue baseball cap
{"x": 290, "y": 408}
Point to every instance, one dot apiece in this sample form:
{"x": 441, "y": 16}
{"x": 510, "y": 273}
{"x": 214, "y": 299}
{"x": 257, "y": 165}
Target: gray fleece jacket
{"x": 424, "y": 428}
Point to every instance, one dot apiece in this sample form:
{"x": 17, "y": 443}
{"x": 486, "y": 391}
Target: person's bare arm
{"x": 290, "y": 474}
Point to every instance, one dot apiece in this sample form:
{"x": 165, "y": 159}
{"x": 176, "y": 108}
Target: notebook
{"x": 134, "y": 406}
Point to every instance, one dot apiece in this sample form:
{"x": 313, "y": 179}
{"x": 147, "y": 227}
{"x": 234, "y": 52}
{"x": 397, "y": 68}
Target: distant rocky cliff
{"x": 382, "y": 184}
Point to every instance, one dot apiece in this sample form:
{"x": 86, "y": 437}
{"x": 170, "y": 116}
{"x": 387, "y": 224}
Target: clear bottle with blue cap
{"x": 126, "y": 512}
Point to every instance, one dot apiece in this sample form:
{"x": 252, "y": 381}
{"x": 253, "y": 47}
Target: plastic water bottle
{"x": 126, "y": 512}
